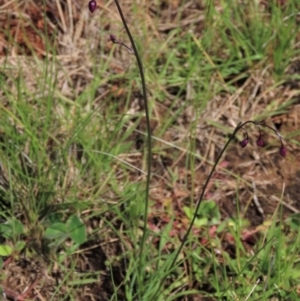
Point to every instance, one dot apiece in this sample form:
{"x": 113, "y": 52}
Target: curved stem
{"x": 238, "y": 127}
{"x": 201, "y": 197}
{"x": 149, "y": 147}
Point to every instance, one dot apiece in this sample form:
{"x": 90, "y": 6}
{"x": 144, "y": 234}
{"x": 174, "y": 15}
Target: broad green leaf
{"x": 76, "y": 229}
{"x": 5, "y": 230}
{"x": 17, "y": 226}
{"x": 5, "y": 250}
{"x": 56, "y": 230}
{"x": 13, "y": 227}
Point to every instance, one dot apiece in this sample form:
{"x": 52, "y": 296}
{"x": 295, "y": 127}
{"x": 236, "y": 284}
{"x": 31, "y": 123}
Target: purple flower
{"x": 244, "y": 142}
{"x": 113, "y": 38}
{"x": 282, "y": 151}
{"x": 260, "y": 142}
{"x": 92, "y": 6}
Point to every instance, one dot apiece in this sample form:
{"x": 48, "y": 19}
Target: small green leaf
{"x": 165, "y": 235}
{"x": 293, "y": 221}
{"x": 188, "y": 212}
{"x": 5, "y": 230}
{"x": 54, "y": 217}
{"x": 20, "y": 245}
{"x": 56, "y": 230}
{"x": 76, "y": 229}
{"x": 13, "y": 227}
{"x": 199, "y": 222}
{"x": 5, "y": 250}
{"x": 208, "y": 213}
{"x": 17, "y": 226}
{"x": 135, "y": 210}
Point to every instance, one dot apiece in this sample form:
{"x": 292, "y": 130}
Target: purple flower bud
{"x": 92, "y": 6}
{"x": 282, "y": 151}
{"x": 260, "y": 142}
{"x": 244, "y": 142}
{"x": 113, "y": 38}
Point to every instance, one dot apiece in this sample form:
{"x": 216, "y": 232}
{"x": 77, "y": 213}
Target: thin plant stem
{"x": 149, "y": 145}
{"x": 239, "y": 126}
{"x": 149, "y": 148}
{"x": 200, "y": 199}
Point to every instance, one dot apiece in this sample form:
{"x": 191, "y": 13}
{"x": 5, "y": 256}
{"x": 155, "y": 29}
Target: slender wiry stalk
{"x": 149, "y": 146}
{"x": 240, "y": 126}
{"x": 172, "y": 265}
{"x": 243, "y": 143}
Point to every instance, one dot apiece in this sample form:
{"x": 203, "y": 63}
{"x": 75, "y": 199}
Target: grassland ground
{"x": 73, "y": 152}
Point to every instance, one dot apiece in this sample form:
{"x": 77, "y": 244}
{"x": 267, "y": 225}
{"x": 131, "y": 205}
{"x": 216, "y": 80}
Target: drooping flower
{"x": 113, "y": 38}
{"x": 260, "y": 142}
{"x": 282, "y": 151}
{"x": 244, "y": 142}
{"x": 92, "y": 6}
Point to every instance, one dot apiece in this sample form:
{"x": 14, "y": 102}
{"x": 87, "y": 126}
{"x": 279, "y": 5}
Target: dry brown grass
{"x": 79, "y": 43}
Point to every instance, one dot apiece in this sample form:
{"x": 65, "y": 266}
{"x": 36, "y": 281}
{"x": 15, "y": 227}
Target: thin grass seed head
{"x": 92, "y": 6}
